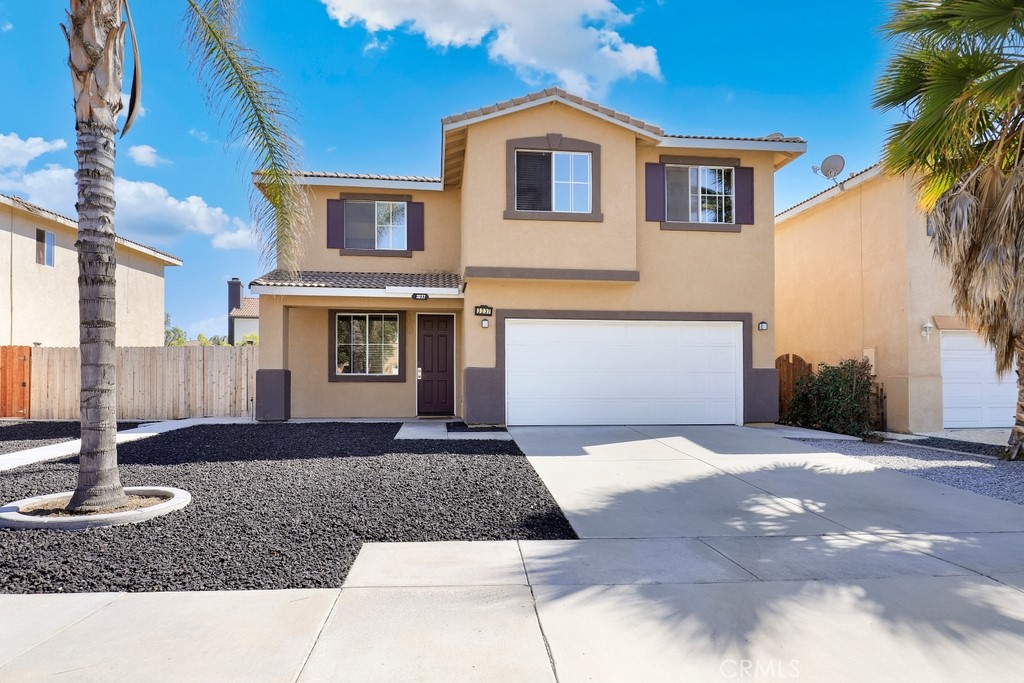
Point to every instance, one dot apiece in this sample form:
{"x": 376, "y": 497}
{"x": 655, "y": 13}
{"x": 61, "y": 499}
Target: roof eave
{"x": 826, "y": 195}
{"x": 366, "y": 292}
{"x": 462, "y": 123}
{"x": 322, "y": 181}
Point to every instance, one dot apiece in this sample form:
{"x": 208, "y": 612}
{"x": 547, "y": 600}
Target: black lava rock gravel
{"x": 959, "y": 446}
{"x": 463, "y": 427}
{"x": 22, "y": 435}
{"x": 278, "y": 506}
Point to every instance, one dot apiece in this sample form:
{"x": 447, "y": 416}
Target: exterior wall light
{"x": 762, "y": 326}
{"x": 926, "y": 329}
{"x": 485, "y": 323}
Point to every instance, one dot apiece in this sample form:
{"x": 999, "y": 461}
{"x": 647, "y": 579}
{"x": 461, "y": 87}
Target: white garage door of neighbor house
{"x": 591, "y": 372}
{"x": 972, "y": 393}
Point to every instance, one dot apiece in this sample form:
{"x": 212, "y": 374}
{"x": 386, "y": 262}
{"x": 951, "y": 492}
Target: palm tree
{"x": 238, "y": 87}
{"x": 958, "y": 73}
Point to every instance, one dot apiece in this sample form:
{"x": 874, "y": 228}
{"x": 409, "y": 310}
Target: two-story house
{"x": 39, "y": 281}
{"x": 571, "y": 265}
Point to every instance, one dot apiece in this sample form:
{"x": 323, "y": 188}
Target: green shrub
{"x": 836, "y": 399}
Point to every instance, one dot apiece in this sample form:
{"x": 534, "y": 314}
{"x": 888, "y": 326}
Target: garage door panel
{"x": 973, "y": 396}
{"x": 618, "y": 372}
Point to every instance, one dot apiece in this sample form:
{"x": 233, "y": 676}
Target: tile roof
{"x": 774, "y": 137}
{"x": 349, "y": 280}
{"x": 371, "y": 176}
{"x": 250, "y": 308}
{"x": 72, "y": 223}
{"x": 553, "y": 92}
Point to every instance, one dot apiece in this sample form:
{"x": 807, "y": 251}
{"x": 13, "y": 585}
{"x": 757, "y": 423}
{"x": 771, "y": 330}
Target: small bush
{"x": 836, "y": 399}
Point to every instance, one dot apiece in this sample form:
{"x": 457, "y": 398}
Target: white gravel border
{"x": 12, "y": 518}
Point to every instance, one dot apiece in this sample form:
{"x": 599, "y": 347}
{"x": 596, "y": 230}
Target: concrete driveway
{"x": 705, "y": 553}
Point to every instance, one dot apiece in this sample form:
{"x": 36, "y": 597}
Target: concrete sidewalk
{"x": 706, "y": 553}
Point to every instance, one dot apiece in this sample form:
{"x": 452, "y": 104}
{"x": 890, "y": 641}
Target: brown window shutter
{"x": 414, "y": 226}
{"x": 744, "y": 195}
{"x": 335, "y": 223}
{"x": 655, "y": 192}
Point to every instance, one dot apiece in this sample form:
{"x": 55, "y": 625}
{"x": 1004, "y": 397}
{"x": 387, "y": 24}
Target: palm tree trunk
{"x": 96, "y": 41}
{"x": 1015, "y": 448}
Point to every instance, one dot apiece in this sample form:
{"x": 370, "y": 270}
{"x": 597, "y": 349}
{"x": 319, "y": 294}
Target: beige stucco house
{"x": 39, "y": 281}
{"x": 855, "y": 277}
{"x": 571, "y": 265}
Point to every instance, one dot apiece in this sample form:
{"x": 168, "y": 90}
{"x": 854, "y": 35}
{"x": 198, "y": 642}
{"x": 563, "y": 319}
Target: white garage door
{"x": 589, "y": 372}
{"x": 972, "y": 394}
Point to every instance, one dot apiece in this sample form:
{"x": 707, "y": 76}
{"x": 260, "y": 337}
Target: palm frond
{"x": 240, "y": 89}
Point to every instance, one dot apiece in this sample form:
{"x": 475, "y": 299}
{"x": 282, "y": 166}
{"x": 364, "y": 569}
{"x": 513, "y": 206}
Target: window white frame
{"x": 368, "y": 344}
{"x": 48, "y": 244}
{"x": 571, "y": 182}
{"x": 381, "y": 214}
{"x": 725, "y": 200}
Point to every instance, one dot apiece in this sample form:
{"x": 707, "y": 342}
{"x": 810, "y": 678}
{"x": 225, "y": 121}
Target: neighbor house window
{"x": 699, "y": 194}
{"x": 553, "y": 181}
{"x": 376, "y": 225}
{"x": 367, "y": 344}
{"x": 45, "y": 243}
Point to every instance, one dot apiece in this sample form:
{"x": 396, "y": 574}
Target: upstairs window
{"x": 553, "y": 181}
{"x": 699, "y": 194}
{"x": 45, "y": 245}
{"x": 375, "y": 225}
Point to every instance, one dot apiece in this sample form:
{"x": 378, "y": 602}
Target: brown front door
{"x": 436, "y": 365}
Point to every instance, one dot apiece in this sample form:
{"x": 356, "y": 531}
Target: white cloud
{"x": 199, "y": 135}
{"x": 242, "y": 237}
{"x": 145, "y": 211}
{"x": 16, "y": 153}
{"x": 375, "y": 44}
{"x": 7, "y": 26}
{"x": 575, "y": 41}
{"x": 144, "y": 155}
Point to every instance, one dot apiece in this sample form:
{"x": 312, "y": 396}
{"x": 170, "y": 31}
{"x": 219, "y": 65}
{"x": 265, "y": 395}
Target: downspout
{"x": 10, "y": 291}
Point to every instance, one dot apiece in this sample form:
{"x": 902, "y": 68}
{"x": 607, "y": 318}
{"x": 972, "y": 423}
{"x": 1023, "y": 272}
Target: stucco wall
{"x": 39, "y": 304}
{"x": 856, "y": 272}
{"x": 295, "y": 337}
{"x": 491, "y": 240}
{"x": 440, "y": 235}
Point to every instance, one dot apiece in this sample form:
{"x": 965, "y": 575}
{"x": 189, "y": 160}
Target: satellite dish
{"x": 830, "y": 168}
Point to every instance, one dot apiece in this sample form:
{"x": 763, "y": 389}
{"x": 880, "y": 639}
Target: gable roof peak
{"x": 549, "y": 94}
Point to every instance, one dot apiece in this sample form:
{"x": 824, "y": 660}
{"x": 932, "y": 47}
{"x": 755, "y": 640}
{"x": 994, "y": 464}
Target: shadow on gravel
{"x": 278, "y": 506}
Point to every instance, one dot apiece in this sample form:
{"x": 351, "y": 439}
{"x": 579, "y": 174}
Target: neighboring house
{"x": 572, "y": 265}
{"x": 855, "y": 276}
{"x": 243, "y": 312}
{"x": 39, "y": 285}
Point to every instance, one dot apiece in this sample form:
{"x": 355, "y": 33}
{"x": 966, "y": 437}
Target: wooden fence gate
{"x": 791, "y": 368}
{"x": 15, "y": 381}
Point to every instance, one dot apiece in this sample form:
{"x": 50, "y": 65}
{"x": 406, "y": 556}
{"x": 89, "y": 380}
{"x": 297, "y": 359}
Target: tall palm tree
{"x": 238, "y": 86}
{"x": 957, "y": 72}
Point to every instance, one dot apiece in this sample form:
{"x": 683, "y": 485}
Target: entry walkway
{"x": 705, "y": 553}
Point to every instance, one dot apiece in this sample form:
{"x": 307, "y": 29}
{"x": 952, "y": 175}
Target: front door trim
{"x": 455, "y": 356}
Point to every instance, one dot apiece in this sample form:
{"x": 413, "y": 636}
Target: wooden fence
{"x": 791, "y": 368}
{"x": 153, "y": 383}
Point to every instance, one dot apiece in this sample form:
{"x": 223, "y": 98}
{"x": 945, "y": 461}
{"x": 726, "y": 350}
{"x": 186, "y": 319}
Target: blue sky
{"x": 369, "y": 81}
